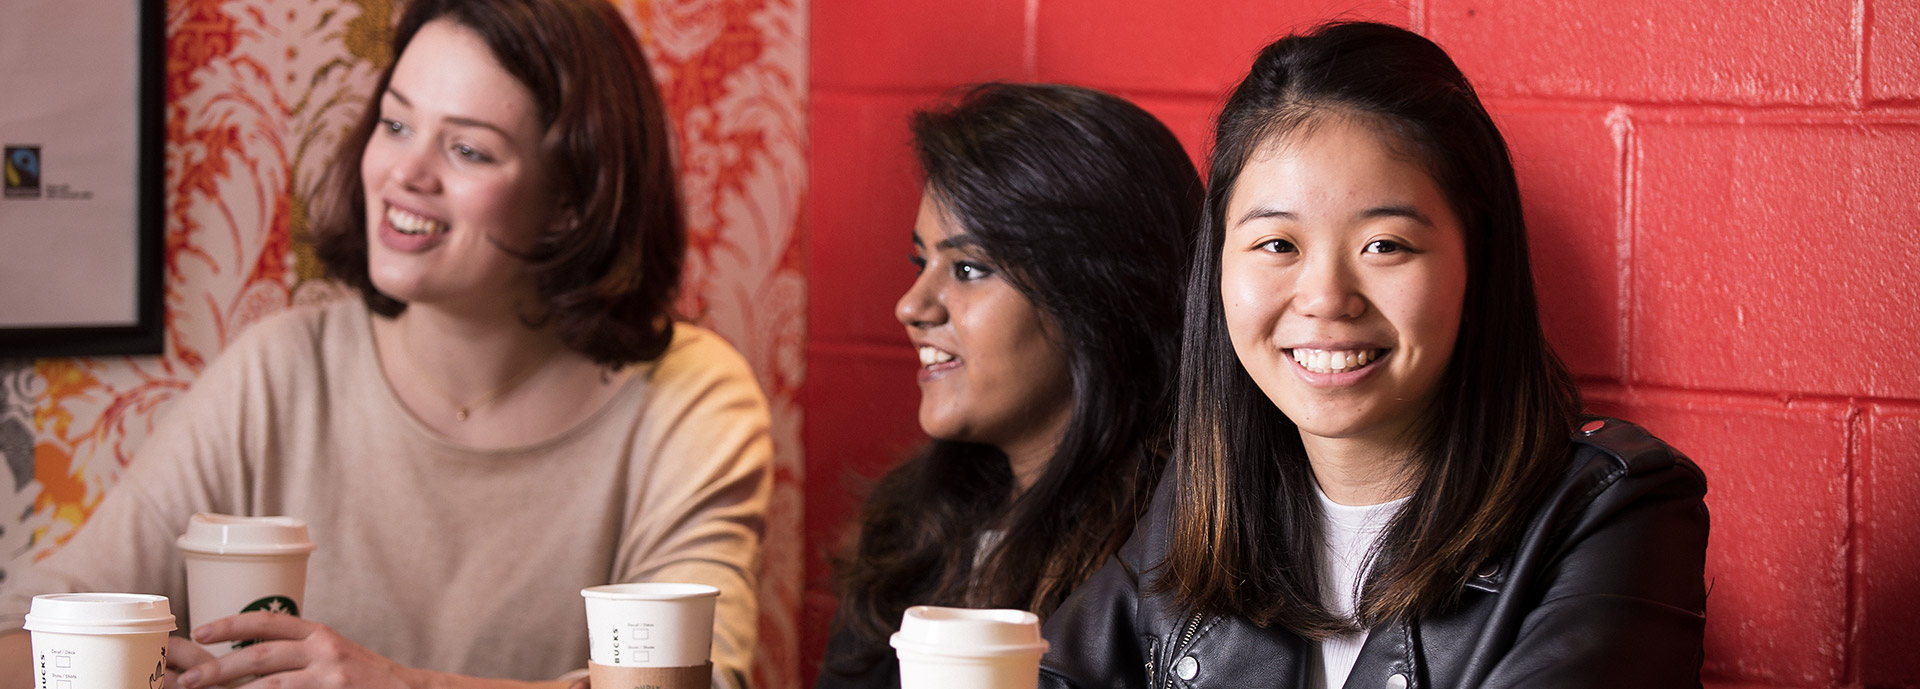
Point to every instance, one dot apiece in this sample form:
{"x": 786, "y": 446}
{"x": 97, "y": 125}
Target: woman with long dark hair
{"x": 1383, "y": 476}
{"x": 1051, "y": 239}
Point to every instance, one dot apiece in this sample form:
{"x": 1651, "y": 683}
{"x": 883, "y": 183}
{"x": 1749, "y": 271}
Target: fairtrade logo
{"x": 279, "y": 605}
{"x": 22, "y": 171}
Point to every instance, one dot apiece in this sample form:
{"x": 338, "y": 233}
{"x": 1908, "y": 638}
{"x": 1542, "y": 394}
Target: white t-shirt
{"x": 1348, "y": 532}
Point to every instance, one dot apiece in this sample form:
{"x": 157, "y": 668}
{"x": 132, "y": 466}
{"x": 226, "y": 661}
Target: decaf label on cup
{"x": 279, "y": 605}
{"x": 56, "y": 670}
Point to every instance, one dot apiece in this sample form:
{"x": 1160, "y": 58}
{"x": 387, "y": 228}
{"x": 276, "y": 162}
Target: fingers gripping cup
{"x": 951, "y": 648}
{"x": 99, "y": 640}
{"x": 243, "y": 564}
{"x": 650, "y": 634}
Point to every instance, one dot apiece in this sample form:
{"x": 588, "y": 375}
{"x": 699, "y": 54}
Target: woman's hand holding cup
{"x": 183, "y": 655}
{"x": 296, "y": 651}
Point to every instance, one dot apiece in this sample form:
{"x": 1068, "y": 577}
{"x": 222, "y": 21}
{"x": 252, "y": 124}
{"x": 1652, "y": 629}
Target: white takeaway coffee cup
{"x": 956, "y": 648}
{"x": 651, "y": 624}
{"x": 243, "y": 564}
{"x": 99, "y": 640}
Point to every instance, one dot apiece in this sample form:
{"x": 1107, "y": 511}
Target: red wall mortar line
{"x": 1862, "y": 50}
{"x": 1030, "y": 43}
{"x": 1857, "y": 403}
{"x": 1851, "y": 671}
{"x": 1625, "y": 150}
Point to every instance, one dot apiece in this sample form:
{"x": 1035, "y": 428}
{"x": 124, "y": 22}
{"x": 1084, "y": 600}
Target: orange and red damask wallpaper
{"x": 257, "y": 94}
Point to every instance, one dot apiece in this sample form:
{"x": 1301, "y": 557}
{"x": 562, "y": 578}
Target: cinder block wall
{"x": 1723, "y": 198}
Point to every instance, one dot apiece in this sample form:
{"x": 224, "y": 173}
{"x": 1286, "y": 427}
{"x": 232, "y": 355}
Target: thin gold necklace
{"x": 462, "y": 409}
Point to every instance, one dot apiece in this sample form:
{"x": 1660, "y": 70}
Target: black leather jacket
{"x": 1604, "y": 589}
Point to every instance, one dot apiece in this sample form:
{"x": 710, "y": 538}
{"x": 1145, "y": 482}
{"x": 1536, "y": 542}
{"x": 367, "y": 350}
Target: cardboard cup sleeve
{"x": 616, "y": 677}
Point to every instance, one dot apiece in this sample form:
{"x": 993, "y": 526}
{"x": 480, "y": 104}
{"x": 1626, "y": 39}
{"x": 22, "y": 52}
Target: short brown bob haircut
{"x": 608, "y": 268}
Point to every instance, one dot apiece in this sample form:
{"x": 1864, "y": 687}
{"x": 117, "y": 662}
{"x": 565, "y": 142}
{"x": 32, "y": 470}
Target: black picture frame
{"x": 146, "y": 333}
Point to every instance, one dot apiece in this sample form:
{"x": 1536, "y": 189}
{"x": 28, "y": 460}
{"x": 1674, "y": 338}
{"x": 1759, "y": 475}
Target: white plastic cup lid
{"x": 225, "y": 534}
{"x": 649, "y": 591}
{"x": 932, "y": 630}
{"x": 100, "y": 613}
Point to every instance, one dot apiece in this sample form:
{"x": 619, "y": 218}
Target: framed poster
{"x": 81, "y": 209}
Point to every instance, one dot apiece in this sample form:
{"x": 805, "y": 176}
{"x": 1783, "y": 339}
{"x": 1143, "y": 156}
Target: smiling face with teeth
{"x": 452, "y": 175}
{"x": 1342, "y": 278}
{"x": 991, "y": 368}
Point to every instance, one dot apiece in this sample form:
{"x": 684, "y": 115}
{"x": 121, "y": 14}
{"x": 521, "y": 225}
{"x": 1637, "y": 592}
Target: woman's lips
{"x": 409, "y": 223}
{"x": 1336, "y": 367}
{"x": 409, "y": 232}
{"x": 935, "y": 362}
{"x": 1335, "y": 360}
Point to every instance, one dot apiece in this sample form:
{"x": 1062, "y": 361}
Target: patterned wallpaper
{"x": 258, "y": 92}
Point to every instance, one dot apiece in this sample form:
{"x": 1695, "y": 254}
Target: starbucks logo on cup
{"x": 279, "y": 605}
{"x": 154, "y": 681}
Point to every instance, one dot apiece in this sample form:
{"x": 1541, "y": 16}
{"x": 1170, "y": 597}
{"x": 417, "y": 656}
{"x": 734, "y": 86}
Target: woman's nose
{"x": 414, "y": 169}
{"x": 921, "y": 306}
{"x": 1327, "y": 289}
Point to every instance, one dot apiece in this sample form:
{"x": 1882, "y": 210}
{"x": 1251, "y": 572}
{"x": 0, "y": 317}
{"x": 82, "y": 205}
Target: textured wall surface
{"x": 258, "y": 92}
{"x": 1721, "y": 196}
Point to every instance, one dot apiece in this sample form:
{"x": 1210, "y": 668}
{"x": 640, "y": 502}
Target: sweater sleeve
{"x": 195, "y": 461}
{"x": 703, "y": 510}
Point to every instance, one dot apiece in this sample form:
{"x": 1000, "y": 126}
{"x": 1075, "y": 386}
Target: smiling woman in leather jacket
{"x": 1382, "y": 477}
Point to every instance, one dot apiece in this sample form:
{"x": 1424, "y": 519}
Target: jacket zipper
{"x": 1186, "y": 637}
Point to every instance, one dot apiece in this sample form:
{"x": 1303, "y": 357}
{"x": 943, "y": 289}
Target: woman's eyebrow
{"x": 458, "y": 120}
{"x": 1390, "y": 211}
{"x": 1397, "y": 211}
{"x": 1261, "y": 212}
{"x": 958, "y": 241}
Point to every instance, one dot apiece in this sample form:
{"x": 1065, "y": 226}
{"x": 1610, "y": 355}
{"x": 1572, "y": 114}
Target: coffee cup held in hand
{"x": 650, "y": 624}
{"x": 99, "y": 640}
{"x": 243, "y": 564}
{"x": 650, "y": 634}
{"x": 952, "y": 648}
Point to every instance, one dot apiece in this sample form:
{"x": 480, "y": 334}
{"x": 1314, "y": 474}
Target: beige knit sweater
{"x": 435, "y": 555}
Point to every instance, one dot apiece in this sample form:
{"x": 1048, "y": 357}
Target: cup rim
{"x": 209, "y": 533}
{"x": 99, "y": 613}
{"x": 921, "y": 648}
{"x": 650, "y": 590}
{"x": 1006, "y": 632}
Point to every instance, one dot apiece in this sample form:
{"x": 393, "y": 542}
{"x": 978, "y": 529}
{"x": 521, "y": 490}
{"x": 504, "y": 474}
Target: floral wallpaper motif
{"x": 258, "y": 93}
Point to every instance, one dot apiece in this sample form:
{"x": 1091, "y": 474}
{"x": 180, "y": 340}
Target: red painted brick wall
{"x": 1724, "y": 198}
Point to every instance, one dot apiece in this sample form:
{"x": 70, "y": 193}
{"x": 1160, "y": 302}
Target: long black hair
{"x": 1087, "y": 204}
{"x": 1247, "y": 539}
